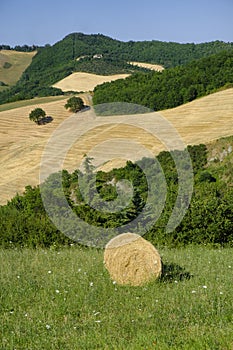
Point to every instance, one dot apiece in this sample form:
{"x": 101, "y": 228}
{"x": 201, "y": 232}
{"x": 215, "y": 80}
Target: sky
{"x": 43, "y": 22}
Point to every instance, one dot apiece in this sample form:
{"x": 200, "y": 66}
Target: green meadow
{"x": 64, "y": 299}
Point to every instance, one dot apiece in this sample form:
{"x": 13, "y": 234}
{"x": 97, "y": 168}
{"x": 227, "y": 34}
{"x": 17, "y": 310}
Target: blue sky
{"x": 47, "y": 21}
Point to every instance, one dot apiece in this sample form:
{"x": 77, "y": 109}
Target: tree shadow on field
{"x": 173, "y": 272}
{"x": 45, "y": 120}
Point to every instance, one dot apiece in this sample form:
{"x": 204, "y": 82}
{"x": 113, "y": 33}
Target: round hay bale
{"x": 131, "y": 260}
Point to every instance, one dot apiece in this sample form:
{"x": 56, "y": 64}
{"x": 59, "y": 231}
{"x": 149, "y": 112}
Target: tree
{"x": 37, "y": 114}
{"x": 74, "y": 104}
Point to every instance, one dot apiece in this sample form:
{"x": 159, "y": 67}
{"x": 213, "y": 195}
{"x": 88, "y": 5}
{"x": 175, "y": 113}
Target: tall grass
{"x": 64, "y": 299}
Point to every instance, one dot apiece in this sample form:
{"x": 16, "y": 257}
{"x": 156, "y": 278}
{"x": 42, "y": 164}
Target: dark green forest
{"x": 208, "y": 219}
{"x": 171, "y": 87}
{"x": 52, "y": 63}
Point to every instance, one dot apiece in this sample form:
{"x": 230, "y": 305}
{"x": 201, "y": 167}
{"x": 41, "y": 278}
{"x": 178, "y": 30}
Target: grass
{"x": 64, "y": 299}
{"x": 31, "y": 102}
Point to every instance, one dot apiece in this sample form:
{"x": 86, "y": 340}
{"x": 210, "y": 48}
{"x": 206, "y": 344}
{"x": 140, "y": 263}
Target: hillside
{"x": 100, "y": 55}
{"x": 13, "y": 64}
{"x": 171, "y": 87}
{"x": 22, "y": 142}
{"x": 81, "y": 81}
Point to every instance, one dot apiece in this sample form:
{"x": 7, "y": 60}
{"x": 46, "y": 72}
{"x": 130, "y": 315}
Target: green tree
{"x": 74, "y": 104}
{"x": 37, "y": 114}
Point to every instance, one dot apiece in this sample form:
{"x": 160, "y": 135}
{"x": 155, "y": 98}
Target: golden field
{"x": 22, "y": 142}
{"x": 19, "y": 62}
{"x": 81, "y": 81}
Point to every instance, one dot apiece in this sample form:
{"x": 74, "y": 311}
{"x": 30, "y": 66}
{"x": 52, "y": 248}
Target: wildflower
{"x": 49, "y": 271}
{"x": 91, "y": 284}
{"x": 193, "y": 291}
{"x": 221, "y": 293}
{"x": 48, "y": 326}
{"x": 114, "y": 282}
{"x": 57, "y": 291}
{"x": 97, "y": 321}
{"x": 205, "y": 287}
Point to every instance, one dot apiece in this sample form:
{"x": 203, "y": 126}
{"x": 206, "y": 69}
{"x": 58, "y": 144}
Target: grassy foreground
{"x": 64, "y": 299}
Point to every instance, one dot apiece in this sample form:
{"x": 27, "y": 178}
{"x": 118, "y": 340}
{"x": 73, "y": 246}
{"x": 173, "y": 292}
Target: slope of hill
{"x": 81, "y": 81}
{"x": 102, "y": 55}
{"x": 13, "y": 64}
{"x": 171, "y": 87}
{"x": 22, "y": 142}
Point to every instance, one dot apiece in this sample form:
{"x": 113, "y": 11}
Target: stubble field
{"x": 22, "y": 142}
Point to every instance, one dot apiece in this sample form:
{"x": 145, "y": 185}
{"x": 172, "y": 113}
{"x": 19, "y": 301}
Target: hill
{"x": 22, "y": 142}
{"x": 13, "y": 64}
{"x": 171, "y": 87}
{"x": 99, "y": 54}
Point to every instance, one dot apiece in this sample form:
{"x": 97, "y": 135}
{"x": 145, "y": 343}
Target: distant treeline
{"x": 53, "y": 63}
{"x": 23, "y": 48}
{"x": 171, "y": 87}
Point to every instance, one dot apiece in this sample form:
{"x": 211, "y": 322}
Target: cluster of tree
{"x": 74, "y": 104}
{"x": 105, "y": 66}
{"x": 2, "y": 83}
{"x": 208, "y": 220}
{"x": 53, "y": 63}
{"x": 171, "y": 87}
{"x": 37, "y": 114}
{"x": 26, "y": 91}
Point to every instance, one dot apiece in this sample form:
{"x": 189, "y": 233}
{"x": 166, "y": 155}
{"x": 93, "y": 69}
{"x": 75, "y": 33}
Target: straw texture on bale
{"x": 131, "y": 260}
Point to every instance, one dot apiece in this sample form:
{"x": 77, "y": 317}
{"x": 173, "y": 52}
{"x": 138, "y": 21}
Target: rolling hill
{"x": 22, "y": 142}
{"x": 13, "y": 64}
{"x": 99, "y": 54}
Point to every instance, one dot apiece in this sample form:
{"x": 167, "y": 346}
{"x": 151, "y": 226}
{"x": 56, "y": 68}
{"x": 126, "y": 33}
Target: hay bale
{"x": 131, "y": 260}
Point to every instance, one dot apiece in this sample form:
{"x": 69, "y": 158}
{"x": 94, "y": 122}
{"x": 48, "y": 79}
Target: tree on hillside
{"x": 74, "y": 104}
{"x": 37, "y": 115}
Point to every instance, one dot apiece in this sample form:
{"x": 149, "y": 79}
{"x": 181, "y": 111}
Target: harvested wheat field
{"x": 105, "y": 138}
{"x": 156, "y": 67}
{"x": 81, "y": 81}
{"x": 19, "y": 61}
